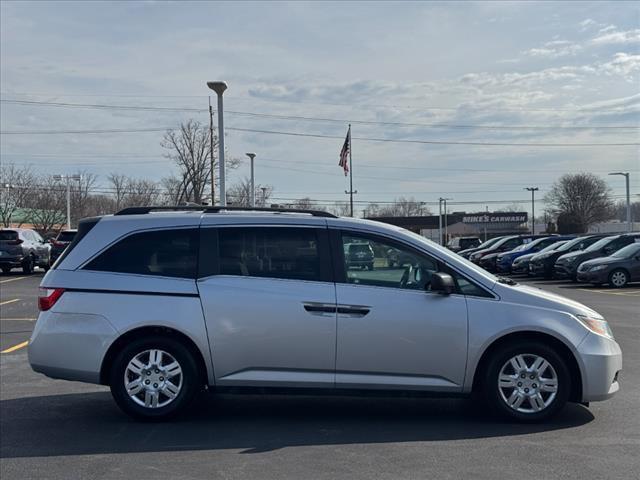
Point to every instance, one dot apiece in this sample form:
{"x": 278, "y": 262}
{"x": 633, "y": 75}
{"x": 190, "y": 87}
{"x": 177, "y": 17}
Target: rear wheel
{"x": 154, "y": 378}
{"x": 618, "y": 278}
{"x": 27, "y": 265}
{"x": 529, "y": 382}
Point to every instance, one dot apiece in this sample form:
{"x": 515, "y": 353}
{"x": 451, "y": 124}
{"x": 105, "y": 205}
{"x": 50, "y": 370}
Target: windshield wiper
{"x": 506, "y": 281}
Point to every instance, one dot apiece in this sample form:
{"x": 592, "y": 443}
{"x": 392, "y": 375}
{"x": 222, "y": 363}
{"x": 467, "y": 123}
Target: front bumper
{"x": 520, "y": 268}
{"x": 11, "y": 260}
{"x": 599, "y": 276}
{"x": 564, "y": 271}
{"x": 601, "y": 360}
{"x": 503, "y": 267}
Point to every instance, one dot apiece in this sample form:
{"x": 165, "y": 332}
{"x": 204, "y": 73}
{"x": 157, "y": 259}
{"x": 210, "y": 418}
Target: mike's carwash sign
{"x": 496, "y": 218}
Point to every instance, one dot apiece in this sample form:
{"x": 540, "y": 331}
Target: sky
{"x": 549, "y": 82}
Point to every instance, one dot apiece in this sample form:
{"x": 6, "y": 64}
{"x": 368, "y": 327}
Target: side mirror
{"x": 442, "y": 283}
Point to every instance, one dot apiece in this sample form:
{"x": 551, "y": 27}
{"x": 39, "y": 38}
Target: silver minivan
{"x": 161, "y": 303}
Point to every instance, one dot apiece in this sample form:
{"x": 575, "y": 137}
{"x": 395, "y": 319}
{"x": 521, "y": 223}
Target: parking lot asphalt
{"x": 64, "y": 430}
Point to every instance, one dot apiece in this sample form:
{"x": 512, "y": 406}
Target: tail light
{"x": 19, "y": 241}
{"x": 47, "y": 297}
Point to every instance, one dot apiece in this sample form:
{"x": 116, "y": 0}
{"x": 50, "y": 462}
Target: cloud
{"x": 587, "y": 23}
{"x": 623, "y": 65}
{"x": 610, "y": 37}
{"x": 555, "y": 49}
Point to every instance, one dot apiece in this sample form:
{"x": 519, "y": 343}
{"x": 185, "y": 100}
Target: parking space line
{"x": 18, "y": 319}
{"x": 16, "y": 347}
{"x": 7, "y": 302}
{"x": 631, "y": 293}
{"x": 11, "y": 279}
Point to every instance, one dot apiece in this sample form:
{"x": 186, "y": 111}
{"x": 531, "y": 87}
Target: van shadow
{"x": 81, "y": 424}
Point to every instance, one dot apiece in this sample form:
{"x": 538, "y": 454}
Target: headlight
{"x": 596, "y": 325}
{"x": 571, "y": 260}
{"x": 597, "y": 267}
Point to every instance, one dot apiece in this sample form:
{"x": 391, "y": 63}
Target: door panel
{"x": 409, "y": 337}
{"x": 269, "y": 308}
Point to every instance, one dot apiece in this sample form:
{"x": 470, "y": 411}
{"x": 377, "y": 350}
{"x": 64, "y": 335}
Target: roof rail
{"x": 218, "y": 209}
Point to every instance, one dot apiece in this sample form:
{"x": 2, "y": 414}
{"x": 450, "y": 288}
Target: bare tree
{"x": 581, "y": 198}
{"x": 118, "y": 182}
{"x": 189, "y": 148}
{"x": 404, "y": 207}
{"x": 305, "y": 204}
{"x": 372, "y": 210}
{"x": 16, "y": 184}
{"x": 81, "y": 206}
{"x": 47, "y": 204}
{"x": 341, "y": 209}
{"x": 240, "y": 193}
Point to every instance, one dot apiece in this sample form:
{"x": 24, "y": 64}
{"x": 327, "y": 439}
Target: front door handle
{"x": 353, "y": 310}
{"x": 316, "y": 308}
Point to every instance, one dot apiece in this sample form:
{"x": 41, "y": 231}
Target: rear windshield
{"x": 359, "y": 248}
{"x": 66, "y": 236}
{"x": 6, "y": 235}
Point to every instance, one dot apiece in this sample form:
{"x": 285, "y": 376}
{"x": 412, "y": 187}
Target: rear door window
{"x": 8, "y": 235}
{"x": 165, "y": 253}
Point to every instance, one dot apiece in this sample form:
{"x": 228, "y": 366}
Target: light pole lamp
{"x": 252, "y": 194}
{"x": 626, "y": 176}
{"x": 219, "y": 88}
{"x": 533, "y": 191}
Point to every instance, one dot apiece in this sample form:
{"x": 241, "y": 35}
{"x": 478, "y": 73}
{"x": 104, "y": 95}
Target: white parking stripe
{"x": 11, "y": 279}
{"x": 7, "y": 302}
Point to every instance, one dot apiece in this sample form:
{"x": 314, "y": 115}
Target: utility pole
{"x": 446, "y": 225}
{"x": 264, "y": 196}
{"x": 626, "y": 176}
{"x": 533, "y": 191}
{"x": 440, "y": 220}
{"x": 351, "y": 191}
{"x": 252, "y": 194}
{"x": 68, "y": 178}
{"x": 213, "y": 171}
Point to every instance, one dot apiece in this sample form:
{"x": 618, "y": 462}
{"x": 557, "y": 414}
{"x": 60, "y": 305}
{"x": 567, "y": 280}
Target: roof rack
{"x": 218, "y": 209}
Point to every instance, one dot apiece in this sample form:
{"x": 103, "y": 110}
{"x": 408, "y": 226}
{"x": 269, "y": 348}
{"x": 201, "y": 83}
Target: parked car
{"x": 23, "y": 248}
{"x": 359, "y": 255}
{"x": 617, "y": 270}
{"x": 463, "y": 243}
{"x": 504, "y": 260}
{"x": 60, "y": 242}
{"x": 521, "y": 264}
{"x": 567, "y": 265}
{"x": 486, "y": 244}
{"x": 158, "y": 306}
{"x": 542, "y": 263}
{"x": 488, "y": 258}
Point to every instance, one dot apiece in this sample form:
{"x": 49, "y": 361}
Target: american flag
{"x": 344, "y": 153}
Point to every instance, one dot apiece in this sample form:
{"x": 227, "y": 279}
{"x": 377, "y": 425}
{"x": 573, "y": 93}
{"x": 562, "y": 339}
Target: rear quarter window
{"x": 8, "y": 235}
{"x": 166, "y": 253}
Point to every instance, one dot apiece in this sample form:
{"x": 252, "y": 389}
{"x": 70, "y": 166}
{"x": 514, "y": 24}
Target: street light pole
{"x": 264, "y": 196}
{"x": 533, "y": 213}
{"x": 252, "y": 195}
{"x": 626, "y": 177}
{"x": 68, "y": 178}
{"x": 219, "y": 88}
{"x": 440, "y": 220}
{"x": 213, "y": 171}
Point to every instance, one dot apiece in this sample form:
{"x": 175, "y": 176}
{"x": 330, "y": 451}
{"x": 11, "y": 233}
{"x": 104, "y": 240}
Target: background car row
{"x": 26, "y": 249}
{"x": 598, "y": 259}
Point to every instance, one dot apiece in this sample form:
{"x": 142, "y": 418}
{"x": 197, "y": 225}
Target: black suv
{"x": 359, "y": 255}
{"x": 64, "y": 238}
{"x": 23, "y": 248}
{"x": 567, "y": 265}
{"x": 542, "y": 263}
{"x": 463, "y": 243}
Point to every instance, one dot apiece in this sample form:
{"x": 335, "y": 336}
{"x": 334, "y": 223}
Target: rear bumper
{"x": 602, "y": 364}
{"x": 70, "y": 346}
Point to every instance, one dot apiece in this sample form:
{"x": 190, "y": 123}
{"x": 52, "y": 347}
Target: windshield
{"x": 570, "y": 243}
{"x": 553, "y": 246}
{"x": 628, "y": 251}
{"x": 599, "y": 244}
{"x": 488, "y": 243}
{"x": 519, "y": 248}
{"x": 66, "y": 236}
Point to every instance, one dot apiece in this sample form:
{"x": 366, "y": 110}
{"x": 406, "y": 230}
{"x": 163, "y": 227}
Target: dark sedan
{"x": 521, "y": 264}
{"x": 617, "y": 269}
{"x": 488, "y": 243}
{"x": 64, "y": 238}
{"x": 487, "y": 258}
{"x": 567, "y": 265}
{"x": 542, "y": 263}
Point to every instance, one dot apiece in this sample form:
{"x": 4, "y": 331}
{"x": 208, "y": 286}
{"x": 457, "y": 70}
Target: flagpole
{"x": 350, "y": 172}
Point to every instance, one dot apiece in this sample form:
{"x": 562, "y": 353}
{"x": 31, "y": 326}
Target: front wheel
{"x": 529, "y": 382}
{"x": 618, "y": 278}
{"x": 27, "y": 265}
{"x": 154, "y": 378}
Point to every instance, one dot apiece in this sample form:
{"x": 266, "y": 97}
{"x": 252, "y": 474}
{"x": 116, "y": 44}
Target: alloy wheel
{"x": 153, "y": 378}
{"x": 618, "y": 279}
{"x": 528, "y": 383}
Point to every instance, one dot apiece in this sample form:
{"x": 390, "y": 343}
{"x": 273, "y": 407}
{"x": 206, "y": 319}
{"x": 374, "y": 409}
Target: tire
{"x": 618, "y": 278}
{"x": 27, "y": 265}
{"x": 498, "y": 397}
{"x": 185, "y": 384}
{"x": 6, "y": 270}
